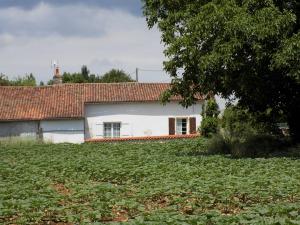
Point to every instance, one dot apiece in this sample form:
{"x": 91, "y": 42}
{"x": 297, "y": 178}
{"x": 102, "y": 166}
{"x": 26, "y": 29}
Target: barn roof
{"x": 67, "y": 101}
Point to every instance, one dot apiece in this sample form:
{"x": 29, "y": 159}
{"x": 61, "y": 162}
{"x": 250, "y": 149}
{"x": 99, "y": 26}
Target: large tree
{"x": 246, "y": 48}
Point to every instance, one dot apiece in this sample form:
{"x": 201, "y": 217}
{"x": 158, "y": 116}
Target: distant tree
{"x": 73, "y": 78}
{"x": 27, "y": 80}
{"x": 50, "y": 82}
{"x": 94, "y": 78}
{"x": 4, "y": 80}
{"x": 115, "y": 76}
{"x": 85, "y": 72}
{"x": 42, "y": 83}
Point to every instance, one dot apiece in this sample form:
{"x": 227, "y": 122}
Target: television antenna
{"x": 54, "y": 63}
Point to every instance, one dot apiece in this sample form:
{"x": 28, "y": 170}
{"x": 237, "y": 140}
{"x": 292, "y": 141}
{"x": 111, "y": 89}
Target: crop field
{"x": 144, "y": 183}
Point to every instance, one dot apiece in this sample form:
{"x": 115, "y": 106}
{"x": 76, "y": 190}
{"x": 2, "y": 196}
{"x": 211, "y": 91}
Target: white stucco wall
{"x": 19, "y": 129}
{"x": 63, "y": 131}
{"x": 137, "y": 119}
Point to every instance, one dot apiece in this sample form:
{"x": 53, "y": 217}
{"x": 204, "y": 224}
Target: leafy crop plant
{"x": 144, "y": 183}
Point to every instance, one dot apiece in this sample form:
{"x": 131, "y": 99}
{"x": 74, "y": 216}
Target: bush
{"x": 209, "y": 126}
{"x": 257, "y": 145}
{"x": 210, "y": 121}
{"x": 218, "y": 145}
{"x": 237, "y": 124}
{"x": 242, "y": 134}
{"x": 211, "y": 108}
{"x": 254, "y": 146}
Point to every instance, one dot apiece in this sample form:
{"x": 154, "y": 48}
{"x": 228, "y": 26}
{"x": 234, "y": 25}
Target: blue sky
{"x": 102, "y": 34}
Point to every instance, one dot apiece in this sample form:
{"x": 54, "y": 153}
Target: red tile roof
{"x": 124, "y": 92}
{"x": 67, "y": 101}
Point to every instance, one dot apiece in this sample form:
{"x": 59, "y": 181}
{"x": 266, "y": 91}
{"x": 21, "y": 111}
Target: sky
{"x": 102, "y": 34}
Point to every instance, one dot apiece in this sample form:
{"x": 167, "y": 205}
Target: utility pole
{"x": 137, "y": 75}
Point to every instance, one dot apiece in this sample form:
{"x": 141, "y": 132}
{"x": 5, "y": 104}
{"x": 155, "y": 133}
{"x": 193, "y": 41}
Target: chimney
{"x": 57, "y": 78}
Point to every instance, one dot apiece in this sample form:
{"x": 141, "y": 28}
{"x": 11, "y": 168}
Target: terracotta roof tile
{"x": 67, "y": 101}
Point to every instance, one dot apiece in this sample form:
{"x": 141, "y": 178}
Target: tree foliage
{"x": 113, "y": 76}
{"x": 27, "y": 80}
{"x": 239, "y": 123}
{"x": 83, "y": 76}
{"x": 249, "y": 49}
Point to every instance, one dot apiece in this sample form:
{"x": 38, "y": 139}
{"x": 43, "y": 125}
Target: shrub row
{"x": 261, "y": 145}
{"x": 243, "y": 134}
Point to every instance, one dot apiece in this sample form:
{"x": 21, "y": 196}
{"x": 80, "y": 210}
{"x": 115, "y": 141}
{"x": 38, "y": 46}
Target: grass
{"x": 18, "y": 140}
{"x": 144, "y": 183}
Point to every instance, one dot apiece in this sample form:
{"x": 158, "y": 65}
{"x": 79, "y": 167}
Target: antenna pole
{"x": 137, "y": 75}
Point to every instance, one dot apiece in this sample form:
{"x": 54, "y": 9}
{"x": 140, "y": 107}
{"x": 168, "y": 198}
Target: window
{"x": 181, "y": 126}
{"x": 112, "y": 130}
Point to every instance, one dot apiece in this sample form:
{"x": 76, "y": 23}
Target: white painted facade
{"x": 63, "y": 131}
{"x": 136, "y": 119}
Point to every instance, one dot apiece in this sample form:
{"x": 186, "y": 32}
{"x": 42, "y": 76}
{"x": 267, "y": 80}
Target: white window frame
{"x": 112, "y": 130}
{"x": 187, "y": 125}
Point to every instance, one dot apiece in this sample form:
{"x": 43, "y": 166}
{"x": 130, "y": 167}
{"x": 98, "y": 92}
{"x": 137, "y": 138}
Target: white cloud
{"x": 77, "y": 35}
{"x": 6, "y": 39}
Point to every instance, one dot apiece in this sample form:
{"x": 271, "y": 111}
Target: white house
{"x": 77, "y": 113}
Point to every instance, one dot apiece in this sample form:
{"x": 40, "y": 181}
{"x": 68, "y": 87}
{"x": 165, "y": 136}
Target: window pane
{"x": 179, "y": 126}
{"x": 116, "y": 130}
{"x": 107, "y": 130}
{"x": 184, "y": 126}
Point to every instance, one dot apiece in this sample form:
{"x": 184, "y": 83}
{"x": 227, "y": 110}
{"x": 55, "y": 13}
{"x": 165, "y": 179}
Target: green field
{"x": 144, "y": 183}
